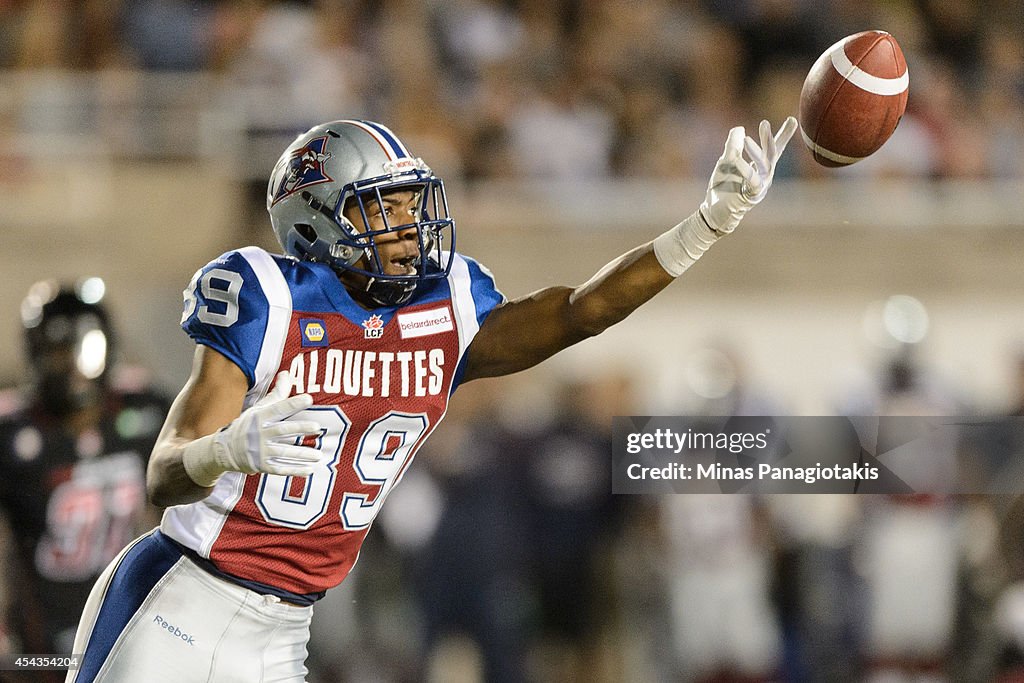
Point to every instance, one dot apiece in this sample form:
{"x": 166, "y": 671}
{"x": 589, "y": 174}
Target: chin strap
{"x": 389, "y": 292}
{"x": 380, "y": 292}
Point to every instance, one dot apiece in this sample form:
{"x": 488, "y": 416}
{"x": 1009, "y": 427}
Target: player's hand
{"x": 261, "y": 439}
{"x": 738, "y": 184}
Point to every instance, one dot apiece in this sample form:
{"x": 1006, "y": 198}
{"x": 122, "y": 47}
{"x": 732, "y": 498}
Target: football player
{"x": 73, "y": 452}
{"x": 316, "y": 377}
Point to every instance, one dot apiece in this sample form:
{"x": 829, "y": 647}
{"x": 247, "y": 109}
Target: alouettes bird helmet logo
{"x": 305, "y": 168}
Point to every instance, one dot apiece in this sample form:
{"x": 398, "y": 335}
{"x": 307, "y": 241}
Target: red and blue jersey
{"x": 380, "y": 381}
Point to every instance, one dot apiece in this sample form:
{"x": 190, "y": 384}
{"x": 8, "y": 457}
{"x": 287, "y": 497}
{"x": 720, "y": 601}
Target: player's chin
{"x": 389, "y": 270}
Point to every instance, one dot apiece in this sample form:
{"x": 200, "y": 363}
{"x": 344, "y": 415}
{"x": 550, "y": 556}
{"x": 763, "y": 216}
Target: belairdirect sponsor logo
{"x": 423, "y": 323}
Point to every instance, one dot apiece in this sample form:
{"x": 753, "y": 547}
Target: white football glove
{"x": 735, "y": 186}
{"x": 261, "y": 439}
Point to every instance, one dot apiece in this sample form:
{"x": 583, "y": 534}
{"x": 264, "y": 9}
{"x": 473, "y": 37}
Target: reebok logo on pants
{"x": 174, "y": 630}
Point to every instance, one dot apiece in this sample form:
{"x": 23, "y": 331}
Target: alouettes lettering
{"x": 369, "y": 373}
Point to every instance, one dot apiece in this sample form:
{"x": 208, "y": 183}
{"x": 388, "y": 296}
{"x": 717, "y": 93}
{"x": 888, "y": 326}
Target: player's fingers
{"x": 287, "y": 469}
{"x": 767, "y": 141}
{"x": 294, "y": 453}
{"x": 752, "y": 183}
{"x": 746, "y": 170}
{"x": 282, "y": 387}
{"x": 734, "y": 143}
{"x": 782, "y": 138}
{"x": 756, "y": 154}
{"x": 279, "y": 410}
{"x": 292, "y": 460}
{"x": 290, "y": 428}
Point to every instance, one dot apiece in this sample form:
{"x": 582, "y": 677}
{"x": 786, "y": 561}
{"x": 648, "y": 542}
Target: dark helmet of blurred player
{"x": 343, "y": 164}
{"x": 69, "y": 342}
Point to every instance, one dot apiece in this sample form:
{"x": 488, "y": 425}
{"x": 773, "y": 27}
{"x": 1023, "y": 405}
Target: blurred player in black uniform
{"x": 570, "y": 506}
{"x": 73, "y": 450}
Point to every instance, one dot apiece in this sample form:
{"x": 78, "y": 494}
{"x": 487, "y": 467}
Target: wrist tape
{"x": 679, "y": 248}
{"x": 201, "y": 462}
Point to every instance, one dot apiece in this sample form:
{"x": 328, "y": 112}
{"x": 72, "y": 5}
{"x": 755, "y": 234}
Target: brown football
{"x": 853, "y": 98}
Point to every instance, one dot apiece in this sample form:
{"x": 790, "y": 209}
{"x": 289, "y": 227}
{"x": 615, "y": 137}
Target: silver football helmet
{"x": 347, "y": 163}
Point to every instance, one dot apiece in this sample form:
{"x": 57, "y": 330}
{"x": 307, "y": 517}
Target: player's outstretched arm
{"x": 195, "y": 447}
{"x": 521, "y": 333}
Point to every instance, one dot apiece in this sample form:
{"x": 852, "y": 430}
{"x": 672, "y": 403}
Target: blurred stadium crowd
{"x": 503, "y": 556}
{"x": 576, "y": 89}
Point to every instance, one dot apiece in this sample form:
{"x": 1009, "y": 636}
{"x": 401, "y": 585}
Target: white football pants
{"x": 155, "y": 616}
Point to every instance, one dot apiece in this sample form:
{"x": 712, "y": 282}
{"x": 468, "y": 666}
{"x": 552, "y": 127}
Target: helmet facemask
{"x": 359, "y": 249}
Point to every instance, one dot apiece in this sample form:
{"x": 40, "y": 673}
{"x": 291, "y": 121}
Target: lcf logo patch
{"x": 313, "y": 332}
{"x": 373, "y": 327}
